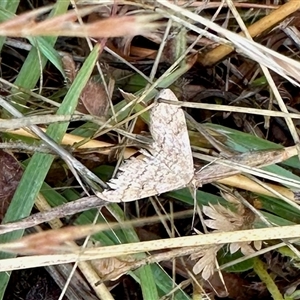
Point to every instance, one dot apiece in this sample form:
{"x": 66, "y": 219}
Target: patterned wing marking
{"x": 168, "y": 167}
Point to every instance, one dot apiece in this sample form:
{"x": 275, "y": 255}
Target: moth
{"x": 169, "y": 164}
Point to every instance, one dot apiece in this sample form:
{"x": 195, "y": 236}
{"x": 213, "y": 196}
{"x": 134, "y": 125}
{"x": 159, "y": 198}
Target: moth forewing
{"x": 170, "y": 165}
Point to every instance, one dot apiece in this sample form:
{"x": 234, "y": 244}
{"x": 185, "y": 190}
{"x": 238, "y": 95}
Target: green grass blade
{"x": 10, "y": 6}
{"x": 45, "y": 47}
{"x": 39, "y": 165}
{"x": 35, "y": 61}
{"x": 147, "y": 280}
{"x": 49, "y": 52}
{"x": 165, "y": 83}
{"x": 148, "y": 285}
{"x": 166, "y": 284}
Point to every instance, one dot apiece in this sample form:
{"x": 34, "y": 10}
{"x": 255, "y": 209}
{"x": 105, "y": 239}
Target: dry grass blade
{"x": 85, "y": 267}
{"x": 220, "y": 169}
{"x": 269, "y": 78}
{"x": 228, "y": 108}
{"x": 284, "y": 232}
{"x": 52, "y": 241}
{"x": 72, "y": 162}
{"x": 284, "y": 66}
{"x": 242, "y": 141}
{"x": 244, "y": 183}
{"x": 47, "y": 242}
{"x": 255, "y": 29}
{"x": 61, "y": 211}
{"x": 64, "y": 25}
{"x": 23, "y": 19}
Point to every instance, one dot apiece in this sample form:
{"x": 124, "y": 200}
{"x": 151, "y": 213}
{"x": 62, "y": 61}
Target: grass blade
{"x": 39, "y": 165}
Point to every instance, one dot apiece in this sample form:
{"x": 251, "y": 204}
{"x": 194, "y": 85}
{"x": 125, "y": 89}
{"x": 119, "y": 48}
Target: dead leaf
{"x": 110, "y": 266}
{"x": 10, "y": 175}
{"x": 93, "y": 99}
{"x": 224, "y": 219}
{"x": 207, "y": 262}
{"x": 69, "y": 67}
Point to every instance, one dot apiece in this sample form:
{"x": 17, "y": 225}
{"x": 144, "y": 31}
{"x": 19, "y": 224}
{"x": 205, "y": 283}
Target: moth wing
{"x": 170, "y": 165}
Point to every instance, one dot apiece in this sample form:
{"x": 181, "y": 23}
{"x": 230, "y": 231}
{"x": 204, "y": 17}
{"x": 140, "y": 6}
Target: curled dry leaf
{"x": 224, "y": 219}
{"x": 245, "y": 248}
{"x": 93, "y": 99}
{"x": 109, "y": 266}
{"x": 207, "y": 263}
{"x": 69, "y": 67}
